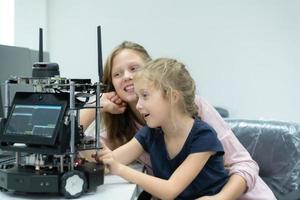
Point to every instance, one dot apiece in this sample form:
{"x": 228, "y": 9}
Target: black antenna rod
{"x": 41, "y": 46}
{"x": 100, "y": 66}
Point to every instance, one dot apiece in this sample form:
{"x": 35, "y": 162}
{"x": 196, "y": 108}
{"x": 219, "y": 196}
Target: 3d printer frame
{"x": 45, "y": 155}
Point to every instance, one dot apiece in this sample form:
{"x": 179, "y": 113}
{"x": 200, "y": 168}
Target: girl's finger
{"x": 116, "y": 99}
{"x": 123, "y": 104}
{"x": 102, "y": 153}
{"x": 103, "y": 145}
{"x": 110, "y": 95}
{"x": 106, "y": 161}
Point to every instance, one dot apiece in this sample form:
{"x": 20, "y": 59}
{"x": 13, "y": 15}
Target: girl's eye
{"x": 116, "y": 74}
{"x": 145, "y": 95}
{"x": 134, "y": 68}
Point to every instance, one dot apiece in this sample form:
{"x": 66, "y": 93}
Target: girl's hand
{"x": 105, "y": 155}
{"x": 112, "y": 103}
{"x": 99, "y": 154}
{"x": 113, "y": 165}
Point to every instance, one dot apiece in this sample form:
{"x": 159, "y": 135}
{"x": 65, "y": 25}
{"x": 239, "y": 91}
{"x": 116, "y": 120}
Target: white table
{"x": 114, "y": 188}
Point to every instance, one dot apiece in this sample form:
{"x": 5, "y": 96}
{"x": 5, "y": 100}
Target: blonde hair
{"x": 169, "y": 75}
{"x": 121, "y": 128}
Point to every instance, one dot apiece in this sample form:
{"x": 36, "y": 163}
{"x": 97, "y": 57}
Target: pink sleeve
{"x": 237, "y": 159}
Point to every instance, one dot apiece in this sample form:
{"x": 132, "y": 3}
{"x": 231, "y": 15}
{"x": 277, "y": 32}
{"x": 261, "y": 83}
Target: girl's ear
{"x": 175, "y": 96}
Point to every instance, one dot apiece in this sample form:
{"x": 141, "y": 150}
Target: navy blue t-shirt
{"x": 202, "y": 138}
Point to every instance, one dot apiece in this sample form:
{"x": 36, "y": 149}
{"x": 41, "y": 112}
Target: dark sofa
{"x": 275, "y": 146}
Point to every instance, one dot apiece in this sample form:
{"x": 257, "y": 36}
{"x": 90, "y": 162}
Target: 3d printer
{"x": 42, "y": 128}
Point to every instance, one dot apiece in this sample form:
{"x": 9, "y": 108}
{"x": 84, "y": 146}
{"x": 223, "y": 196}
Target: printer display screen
{"x": 35, "y": 120}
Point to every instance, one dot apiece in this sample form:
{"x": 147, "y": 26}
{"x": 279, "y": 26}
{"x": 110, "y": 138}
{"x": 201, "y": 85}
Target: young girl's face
{"x": 124, "y": 66}
{"x": 154, "y": 108}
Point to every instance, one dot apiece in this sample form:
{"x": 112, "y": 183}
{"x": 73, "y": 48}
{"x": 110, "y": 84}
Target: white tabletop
{"x": 114, "y": 188}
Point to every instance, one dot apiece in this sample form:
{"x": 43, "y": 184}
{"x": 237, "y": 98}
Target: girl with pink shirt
{"x": 122, "y": 120}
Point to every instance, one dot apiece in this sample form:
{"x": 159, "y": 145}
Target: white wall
{"x": 7, "y": 17}
{"x": 244, "y": 55}
{"x": 30, "y": 15}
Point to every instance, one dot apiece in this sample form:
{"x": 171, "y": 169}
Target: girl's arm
{"x": 87, "y": 116}
{"x": 110, "y": 102}
{"x": 125, "y": 154}
{"x": 236, "y": 158}
{"x": 236, "y": 183}
{"x": 128, "y": 152}
{"x": 163, "y": 189}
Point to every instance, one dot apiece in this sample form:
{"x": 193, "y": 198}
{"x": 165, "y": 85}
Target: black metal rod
{"x": 41, "y": 46}
{"x": 100, "y": 65}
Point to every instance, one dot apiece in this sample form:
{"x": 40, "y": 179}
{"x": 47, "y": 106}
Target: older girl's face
{"x": 124, "y": 66}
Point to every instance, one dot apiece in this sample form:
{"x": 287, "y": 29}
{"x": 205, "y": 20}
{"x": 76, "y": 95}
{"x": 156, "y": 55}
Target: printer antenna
{"x": 41, "y": 45}
{"x": 100, "y": 65}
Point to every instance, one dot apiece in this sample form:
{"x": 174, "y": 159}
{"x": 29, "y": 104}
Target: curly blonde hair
{"x": 168, "y": 75}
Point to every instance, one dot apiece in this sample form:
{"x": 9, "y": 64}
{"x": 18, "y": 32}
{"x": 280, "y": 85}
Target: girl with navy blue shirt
{"x": 202, "y": 138}
{"x": 186, "y": 155}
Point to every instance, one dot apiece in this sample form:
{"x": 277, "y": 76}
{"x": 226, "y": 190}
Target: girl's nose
{"x": 138, "y": 105}
{"x": 128, "y": 75}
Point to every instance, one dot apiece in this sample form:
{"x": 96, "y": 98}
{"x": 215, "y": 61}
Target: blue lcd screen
{"x": 35, "y": 120}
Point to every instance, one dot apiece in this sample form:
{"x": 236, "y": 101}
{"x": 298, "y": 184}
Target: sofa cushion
{"x": 275, "y": 146}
